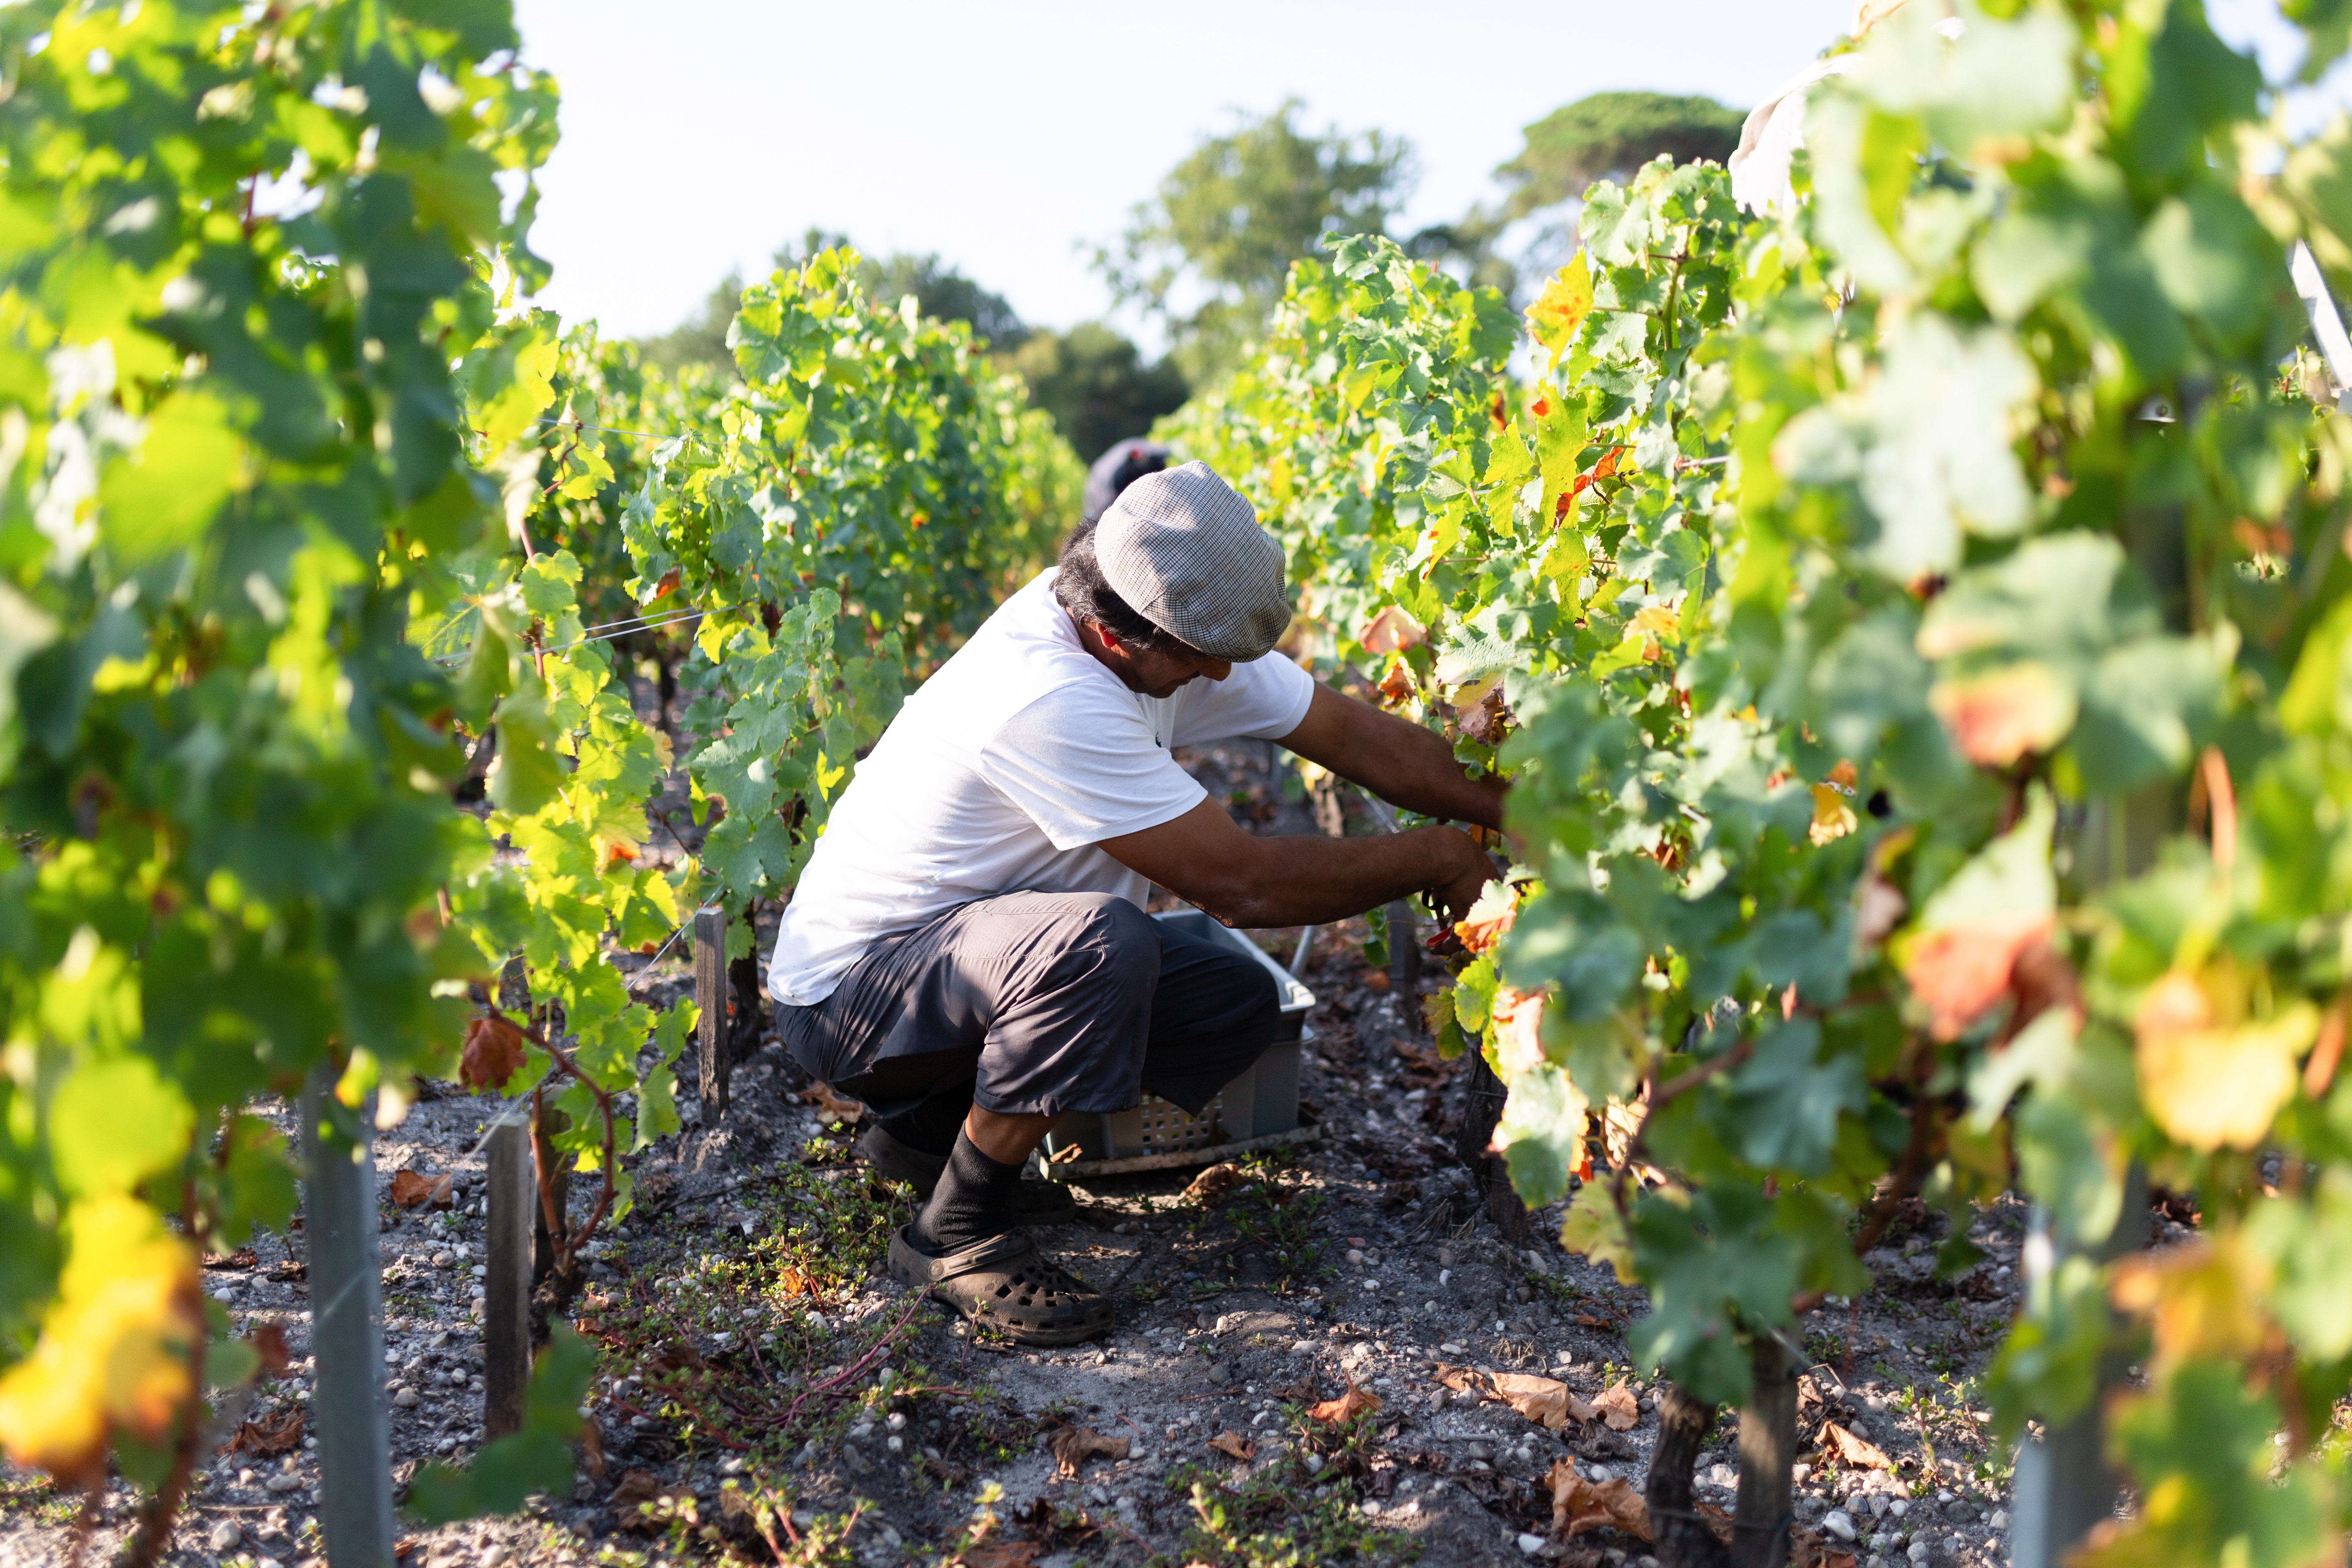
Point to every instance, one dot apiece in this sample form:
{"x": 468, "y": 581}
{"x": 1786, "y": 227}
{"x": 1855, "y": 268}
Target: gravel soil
{"x": 766, "y": 1391}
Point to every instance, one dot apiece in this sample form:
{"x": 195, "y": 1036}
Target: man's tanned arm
{"x": 1397, "y": 759}
{"x": 1206, "y": 858}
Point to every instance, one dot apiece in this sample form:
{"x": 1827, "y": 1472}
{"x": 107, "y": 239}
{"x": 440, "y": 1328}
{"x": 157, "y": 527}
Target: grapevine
{"x": 1922, "y": 699}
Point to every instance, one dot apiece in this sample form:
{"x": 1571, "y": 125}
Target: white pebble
{"x": 224, "y": 1537}
{"x": 1840, "y": 1523}
{"x": 1530, "y": 1544}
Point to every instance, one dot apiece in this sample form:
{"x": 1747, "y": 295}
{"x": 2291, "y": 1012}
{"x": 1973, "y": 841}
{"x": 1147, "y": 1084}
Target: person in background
{"x": 967, "y": 951}
{"x": 1125, "y": 463}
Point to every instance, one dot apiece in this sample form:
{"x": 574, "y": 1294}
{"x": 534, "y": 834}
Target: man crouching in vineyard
{"x": 967, "y": 951}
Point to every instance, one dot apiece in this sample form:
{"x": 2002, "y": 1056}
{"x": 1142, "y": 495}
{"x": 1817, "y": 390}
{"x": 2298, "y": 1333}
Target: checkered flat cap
{"x": 1187, "y": 553}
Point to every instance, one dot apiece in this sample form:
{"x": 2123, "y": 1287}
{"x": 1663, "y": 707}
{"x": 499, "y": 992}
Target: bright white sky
{"x": 1013, "y": 138}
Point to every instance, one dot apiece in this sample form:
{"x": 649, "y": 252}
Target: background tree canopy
{"x": 1208, "y": 254}
{"x": 1608, "y": 135}
{"x": 1095, "y": 383}
{"x": 1206, "y": 257}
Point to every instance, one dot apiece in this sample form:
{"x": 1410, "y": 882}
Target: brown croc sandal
{"x": 1003, "y": 1284}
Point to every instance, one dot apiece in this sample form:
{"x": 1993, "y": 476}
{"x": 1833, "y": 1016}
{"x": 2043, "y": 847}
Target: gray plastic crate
{"x": 1261, "y": 1104}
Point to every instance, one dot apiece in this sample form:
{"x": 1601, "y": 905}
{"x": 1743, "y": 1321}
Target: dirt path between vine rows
{"x": 767, "y": 1392}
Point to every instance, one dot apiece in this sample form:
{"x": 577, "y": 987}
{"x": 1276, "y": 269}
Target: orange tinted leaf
{"x": 1396, "y": 685}
{"x": 493, "y": 1054}
{"x": 1355, "y": 1402}
{"x": 1961, "y": 971}
{"x": 412, "y": 1186}
{"x": 1998, "y": 717}
{"x": 666, "y": 586}
{"x": 1393, "y": 630}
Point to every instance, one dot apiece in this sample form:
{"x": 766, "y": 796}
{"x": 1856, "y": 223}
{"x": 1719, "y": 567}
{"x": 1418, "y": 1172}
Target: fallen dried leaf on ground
{"x": 633, "y": 1492}
{"x": 412, "y": 1186}
{"x": 1216, "y": 1183}
{"x": 839, "y": 1106}
{"x": 493, "y": 1054}
{"x": 1616, "y": 1407}
{"x": 1234, "y": 1444}
{"x": 1346, "y": 1407}
{"x": 241, "y": 1258}
{"x": 1074, "y": 1446}
{"x": 1545, "y": 1400}
{"x": 1053, "y": 1532}
{"x": 1460, "y": 1377}
{"x": 269, "y": 1342}
{"x": 1837, "y": 1443}
{"x": 1579, "y": 1505}
{"x": 274, "y": 1434}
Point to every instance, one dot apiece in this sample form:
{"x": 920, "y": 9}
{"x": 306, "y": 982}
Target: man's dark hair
{"x": 1083, "y": 590}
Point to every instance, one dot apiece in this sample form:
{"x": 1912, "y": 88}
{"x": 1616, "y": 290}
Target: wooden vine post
{"x": 710, "y": 988}
{"x": 512, "y": 1202}
{"x": 350, "y": 1413}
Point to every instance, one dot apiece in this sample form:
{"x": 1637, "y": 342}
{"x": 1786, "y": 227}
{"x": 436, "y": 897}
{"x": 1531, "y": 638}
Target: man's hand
{"x": 1452, "y": 898}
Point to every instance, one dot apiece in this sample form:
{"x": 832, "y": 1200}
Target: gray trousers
{"x": 1045, "y": 1003}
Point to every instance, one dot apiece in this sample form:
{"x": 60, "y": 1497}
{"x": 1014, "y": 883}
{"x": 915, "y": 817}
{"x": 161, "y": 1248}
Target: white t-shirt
{"x": 1000, "y": 776}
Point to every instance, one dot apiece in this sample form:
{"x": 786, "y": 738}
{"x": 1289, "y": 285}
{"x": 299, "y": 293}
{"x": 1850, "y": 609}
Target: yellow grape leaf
{"x": 1561, "y": 309}
{"x": 2205, "y": 1298}
{"x": 1833, "y": 815}
{"x": 1657, "y": 620}
{"x": 1998, "y": 717}
{"x": 2209, "y": 1079}
{"x": 112, "y": 1356}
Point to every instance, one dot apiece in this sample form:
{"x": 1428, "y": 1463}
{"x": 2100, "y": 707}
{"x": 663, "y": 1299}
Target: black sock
{"x": 972, "y": 1202}
{"x": 931, "y": 1127}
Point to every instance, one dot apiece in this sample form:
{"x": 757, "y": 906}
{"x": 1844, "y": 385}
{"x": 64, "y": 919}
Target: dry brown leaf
{"x": 1074, "y": 1446}
{"x": 269, "y": 1342}
{"x": 241, "y": 1258}
{"x": 1460, "y": 1377}
{"x": 1355, "y": 1402}
{"x": 1545, "y": 1400}
{"x": 1579, "y": 1505}
{"x": 1234, "y": 1444}
{"x": 838, "y": 1106}
{"x": 493, "y": 1054}
{"x": 637, "y": 1488}
{"x": 274, "y": 1434}
{"x": 1216, "y": 1183}
{"x": 1837, "y": 1443}
{"x": 1615, "y": 1405}
{"x": 591, "y": 1449}
{"x": 998, "y": 1554}
{"x": 412, "y": 1186}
